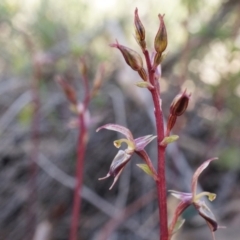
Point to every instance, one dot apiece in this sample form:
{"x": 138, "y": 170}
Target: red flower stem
{"x": 81, "y": 148}
{"x": 161, "y": 184}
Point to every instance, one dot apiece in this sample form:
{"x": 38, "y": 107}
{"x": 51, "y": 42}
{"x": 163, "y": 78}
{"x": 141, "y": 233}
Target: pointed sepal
{"x": 142, "y": 142}
{"x": 118, "y": 128}
{"x": 205, "y": 212}
{"x": 197, "y": 173}
{"x": 118, "y": 163}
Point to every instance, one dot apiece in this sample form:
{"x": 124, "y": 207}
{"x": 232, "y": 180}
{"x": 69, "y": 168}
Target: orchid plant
{"x": 151, "y": 80}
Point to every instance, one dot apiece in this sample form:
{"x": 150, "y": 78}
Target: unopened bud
{"x": 179, "y": 104}
{"x": 132, "y": 58}
{"x": 160, "y": 42}
{"x": 139, "y": 30}
{"x": 68, "y": 90}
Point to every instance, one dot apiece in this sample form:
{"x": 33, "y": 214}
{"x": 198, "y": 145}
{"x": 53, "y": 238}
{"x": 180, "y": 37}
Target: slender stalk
{"x": 161, "y": 184}
{"x": 81, "y": 149}
{"x": 82, "y": 139}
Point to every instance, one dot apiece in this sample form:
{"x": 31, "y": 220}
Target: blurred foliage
{"x": 204, "y": 42}
{"x": 203, "y": 55}
{"x": 229, "y": 158}
{"x": 25, "y": 116}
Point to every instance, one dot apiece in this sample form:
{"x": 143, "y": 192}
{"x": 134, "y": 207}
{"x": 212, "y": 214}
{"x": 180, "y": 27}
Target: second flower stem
{"x": 79, "y": 177}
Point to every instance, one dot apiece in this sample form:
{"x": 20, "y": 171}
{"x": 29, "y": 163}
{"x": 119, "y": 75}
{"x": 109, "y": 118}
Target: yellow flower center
{"x": 130, "y": 144}
{"x": 211, "y": 196}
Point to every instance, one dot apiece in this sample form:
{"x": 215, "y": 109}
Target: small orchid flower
{"x": 123, "y": 156}
{"x": 194, "y": 199}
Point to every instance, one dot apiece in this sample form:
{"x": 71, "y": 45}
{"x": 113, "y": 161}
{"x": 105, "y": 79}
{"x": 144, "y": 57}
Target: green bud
{"x": 160, "y": 42}
{"x": 132, "y": 58}
{"x": 139, "y": 30}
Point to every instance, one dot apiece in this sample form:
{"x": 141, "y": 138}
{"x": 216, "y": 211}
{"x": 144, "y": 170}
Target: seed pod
{"x": 132, "y": 58}
{"x": 160, "y": 42}
{"x": 179, "y": 104}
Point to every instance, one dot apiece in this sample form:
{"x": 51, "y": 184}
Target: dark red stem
{"x": 79, "y": 177}
{"x": 161, "y": 184}
{"x": 81, "y": 148}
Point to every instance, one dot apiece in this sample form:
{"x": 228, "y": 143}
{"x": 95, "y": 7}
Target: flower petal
{"x": 207, "y": 214}
{"x": 197, "y": 173}
{"x": 184, "y": 197}
{"x": 118, "y": 163}
{"x": 120, "y": 160}
{"x": 142, "y": 142}
{"x": 116, "y": 178}
{"x": 118, "y": 128}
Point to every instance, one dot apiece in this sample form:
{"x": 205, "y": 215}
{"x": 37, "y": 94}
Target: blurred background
{"x": 40, "y": 39}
